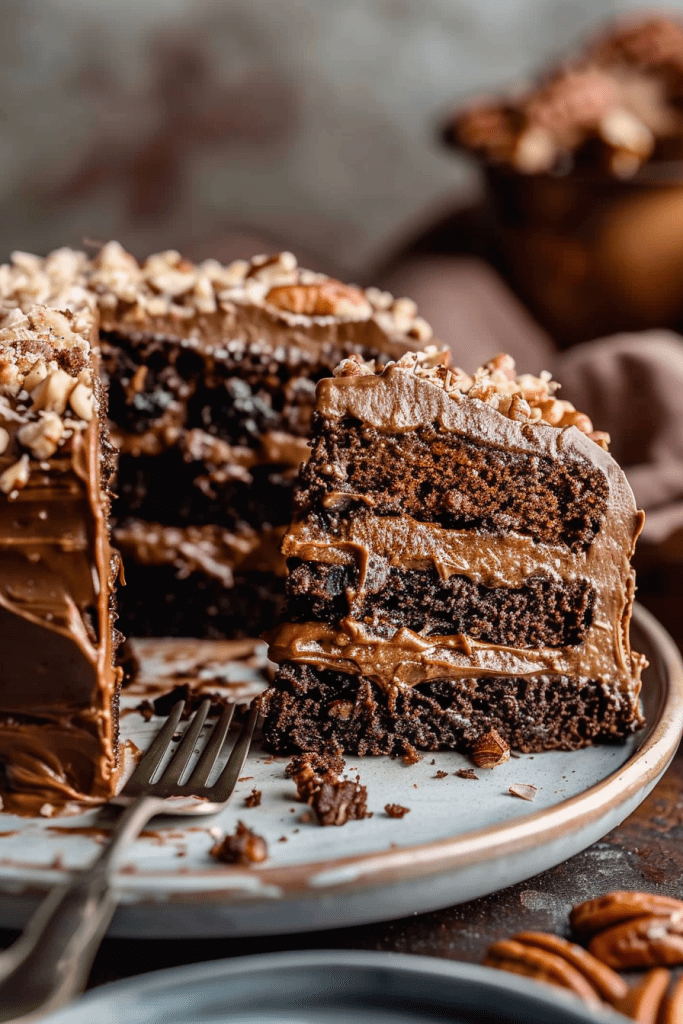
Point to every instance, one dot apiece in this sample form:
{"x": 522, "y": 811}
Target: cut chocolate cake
{"x": 211, "y": 373}
{"x": 459, "y": 562}
{"x": 58, "y": 683}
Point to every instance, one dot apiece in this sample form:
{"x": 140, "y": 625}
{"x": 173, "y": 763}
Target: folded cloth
{"x": 632, "y": 386}
{"x": 471, "y": 310}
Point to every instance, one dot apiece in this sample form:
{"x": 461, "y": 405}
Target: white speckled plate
{"x": 331, "y": 986}
{"x": 461, "y": 839}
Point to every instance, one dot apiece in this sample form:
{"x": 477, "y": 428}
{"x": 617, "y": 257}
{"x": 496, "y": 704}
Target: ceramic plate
{"x": 335, "y": 987}
{"x": 461, "y": 838}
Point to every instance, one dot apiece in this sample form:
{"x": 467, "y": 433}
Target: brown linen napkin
{"x": 632, "y": 386}
{"x": 471, "y": 310}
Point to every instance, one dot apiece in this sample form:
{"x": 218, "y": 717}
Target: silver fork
{"x": 50, "y": 962}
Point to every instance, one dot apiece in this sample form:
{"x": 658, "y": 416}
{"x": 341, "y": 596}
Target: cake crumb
{"x": 329, "y": 761}
{"x": 283, "y": 839}
{"x": 245, "y": 778}
{"x": 334, "y": 800}
{"x": 440, "y": 775}
{"x": 242, "y": 847}
{"x": 466, "y": 773}
{"x": 396, "y": 810}
{"x": 525, "y": 791}
{"x": 253, "y": 799}
{"x": 145, "y": 709}
{"x": 411, "y": 755}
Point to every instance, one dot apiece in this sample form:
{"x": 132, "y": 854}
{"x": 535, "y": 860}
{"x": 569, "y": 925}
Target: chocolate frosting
{"x": 400, "y": 400}
{"x": 56, "y": 578}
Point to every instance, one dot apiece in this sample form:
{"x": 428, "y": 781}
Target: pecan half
{"x": 641, "y": 942}
{"x": 643, "y": 1001}
{"x": 534, "y": 962}
{"x": 598, "y": 914}
{"x": 672, "y": 1009}
{"x": 329, "y": 298}
{"x": 608, "y": 983}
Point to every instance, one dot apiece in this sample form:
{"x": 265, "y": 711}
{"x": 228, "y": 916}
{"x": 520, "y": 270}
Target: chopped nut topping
{"x": 42, "y": 436}
{"x": 81, "y": 401}
{"x": 490, "y": 750}
{"x": 16, "y": 476}
{"x": 167, "y": 286}
{"x": 52, "y": 394}
{"x": 523, "y": 790}
{"x": 522, "y": 397}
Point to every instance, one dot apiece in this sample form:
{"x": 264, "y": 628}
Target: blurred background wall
{"x": 175, "y": 123}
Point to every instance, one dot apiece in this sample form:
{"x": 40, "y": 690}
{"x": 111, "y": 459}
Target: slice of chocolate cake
{"x": 211, "y": 373}
{"x": 459, "y": 561}
{"x": 58, "y": 683}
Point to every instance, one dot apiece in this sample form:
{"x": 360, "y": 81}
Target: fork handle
{"x": 49, "y": 963}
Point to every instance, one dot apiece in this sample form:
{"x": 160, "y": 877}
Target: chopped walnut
{"x": 243, "y": 847}
{"x": 490, "y": 750}
{"x": 253, "y": 799}
{"x": 525, "y": 791}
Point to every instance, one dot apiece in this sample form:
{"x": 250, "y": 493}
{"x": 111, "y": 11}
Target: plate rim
{"x": 458, "y": 971}
{"x": 233, "y": 885}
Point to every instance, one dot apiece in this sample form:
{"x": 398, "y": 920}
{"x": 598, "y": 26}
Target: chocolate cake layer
{"x": 58, "y": 683}
{"x": 176, "y": 490}
{"x": 542, "y": 613}
{"x": 437, "y": 475}
{"x": 409, "y": 628}
{"x": 316, "y": 711}
{"x": 156, "y": 601}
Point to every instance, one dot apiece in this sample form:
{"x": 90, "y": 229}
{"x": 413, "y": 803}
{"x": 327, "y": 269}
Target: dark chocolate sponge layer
{"x": 312, "y": 710}
{"x": 175, "y": 491}
{"x": 156, "y": 602}
{"x": 442, "y": 477}
{"x": 235, "y": 390}
{"x": 542, "y": 613}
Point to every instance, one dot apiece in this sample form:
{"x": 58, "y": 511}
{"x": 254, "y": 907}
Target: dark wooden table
{"x": 645, "y": 852}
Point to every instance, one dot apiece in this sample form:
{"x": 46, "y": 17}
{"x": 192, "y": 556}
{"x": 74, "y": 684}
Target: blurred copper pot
{"x": 591, "y": 254}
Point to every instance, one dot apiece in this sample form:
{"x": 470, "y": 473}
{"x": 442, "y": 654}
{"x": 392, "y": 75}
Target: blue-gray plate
{"x": 330, "y": 987}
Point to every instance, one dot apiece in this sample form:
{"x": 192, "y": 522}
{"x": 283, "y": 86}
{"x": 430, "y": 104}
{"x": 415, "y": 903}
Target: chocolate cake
{"x": 211, "y": 372}
{"x": 459, "y": 561}
{"x": 58, "y": 682}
